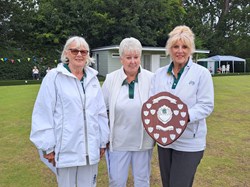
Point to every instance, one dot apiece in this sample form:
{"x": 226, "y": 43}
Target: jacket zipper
{"x": 85, "y": 120}
{"x": 56, "y": 90}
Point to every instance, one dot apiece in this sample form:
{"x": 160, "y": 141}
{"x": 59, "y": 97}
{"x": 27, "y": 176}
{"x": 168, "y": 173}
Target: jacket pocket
{"x": 191, "y": 130}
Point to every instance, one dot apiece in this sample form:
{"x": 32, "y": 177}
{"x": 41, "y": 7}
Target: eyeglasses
{"x": 76, "y": 51}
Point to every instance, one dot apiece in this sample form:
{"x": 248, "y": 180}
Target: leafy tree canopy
{"x": 41, "y": 27}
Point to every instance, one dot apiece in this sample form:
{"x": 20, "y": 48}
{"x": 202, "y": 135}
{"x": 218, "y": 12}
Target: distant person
{"x": 193, "y": 84}
{"x": 125, "y": 90}
{"x": 228, "y": 68}
{"x": 47, "y": 70}
{"x": 35, "y": 73}
{"x": 211, "y": 70}
{"x": 219, "y": 70}
{"x": 223, "y": 69}
{"x": 69, "y": 120}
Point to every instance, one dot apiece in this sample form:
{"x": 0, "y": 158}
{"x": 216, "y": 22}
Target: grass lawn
{"x": 226, "y": 162}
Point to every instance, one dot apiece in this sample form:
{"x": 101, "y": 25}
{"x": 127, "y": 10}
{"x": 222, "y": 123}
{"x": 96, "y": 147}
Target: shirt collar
{"x": 170, "y": 68}
{"x": 125, "y": 82}
{"x": 67, "y": 67}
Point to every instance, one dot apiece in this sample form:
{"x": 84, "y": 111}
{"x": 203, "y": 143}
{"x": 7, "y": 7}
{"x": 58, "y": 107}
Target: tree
{"x": 148, "y": 21}
{"x": 106, "y": 22}
{"x": 15, "y": 26}
{"x": 222, "y": 25}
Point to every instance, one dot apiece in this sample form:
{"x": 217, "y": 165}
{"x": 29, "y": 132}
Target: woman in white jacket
{"x": 125, "y": 90}
{"x": 193, "y": 84}
{"x": 69, "y": 120}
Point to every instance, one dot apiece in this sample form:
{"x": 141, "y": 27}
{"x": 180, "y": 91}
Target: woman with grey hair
{"x": 69, "y": 120}
{"x": 193, "y": 84}
{"x": 125, "y": 90}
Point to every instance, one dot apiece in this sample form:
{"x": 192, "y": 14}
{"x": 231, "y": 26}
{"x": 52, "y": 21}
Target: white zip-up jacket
{"x": 68, "y": 121}
{"x": 111, "y": 88}
{"x": 195, "y": 89}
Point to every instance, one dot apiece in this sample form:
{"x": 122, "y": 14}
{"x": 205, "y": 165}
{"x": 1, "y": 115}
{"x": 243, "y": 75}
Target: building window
{"x": 147, "y": 62}
{"x": 115, "y": 55}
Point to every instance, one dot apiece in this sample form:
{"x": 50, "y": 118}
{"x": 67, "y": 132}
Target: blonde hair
{"x": 79, "y": 41}
{"x": 181, "y": 33}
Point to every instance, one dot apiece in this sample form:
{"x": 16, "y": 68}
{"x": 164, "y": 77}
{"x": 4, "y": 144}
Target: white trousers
{"x": 80, "y": 176}
{"x": 118, "y": 163}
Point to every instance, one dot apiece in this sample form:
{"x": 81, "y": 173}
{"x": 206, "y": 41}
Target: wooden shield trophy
{"x": 164, "y": 117}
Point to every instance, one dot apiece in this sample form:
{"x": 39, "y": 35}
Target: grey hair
{"x": 181, "y": 33}
{"x": 130, "y": 44}
{"x": 79, "y": 41}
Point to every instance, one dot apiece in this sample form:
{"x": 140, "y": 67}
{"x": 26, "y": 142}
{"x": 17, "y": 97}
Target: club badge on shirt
{"x": 164, "y": 117}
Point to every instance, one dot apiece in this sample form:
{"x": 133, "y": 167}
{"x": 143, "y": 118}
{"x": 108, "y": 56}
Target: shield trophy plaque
{"x": 164, "y": 117}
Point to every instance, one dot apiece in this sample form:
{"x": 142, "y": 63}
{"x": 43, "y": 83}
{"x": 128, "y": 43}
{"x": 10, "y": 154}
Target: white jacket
{"x": 69, "y": 122}
{"x": 195, "y": 89}
{"x": 111, "y": 88}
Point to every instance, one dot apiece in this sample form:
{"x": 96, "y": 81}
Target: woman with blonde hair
{"x": 193, "y": 84}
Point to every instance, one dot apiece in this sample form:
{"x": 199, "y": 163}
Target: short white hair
{"x": 130, "y": 44}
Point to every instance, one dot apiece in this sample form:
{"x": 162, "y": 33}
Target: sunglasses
{"x": 76, "y": 51}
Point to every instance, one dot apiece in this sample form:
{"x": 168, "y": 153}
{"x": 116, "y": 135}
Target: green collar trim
{"x": 131, "y": 85}
{"x": 170, "y": 72}
{"x": 67, "y": 67}
{"x": 136, "y": 78}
